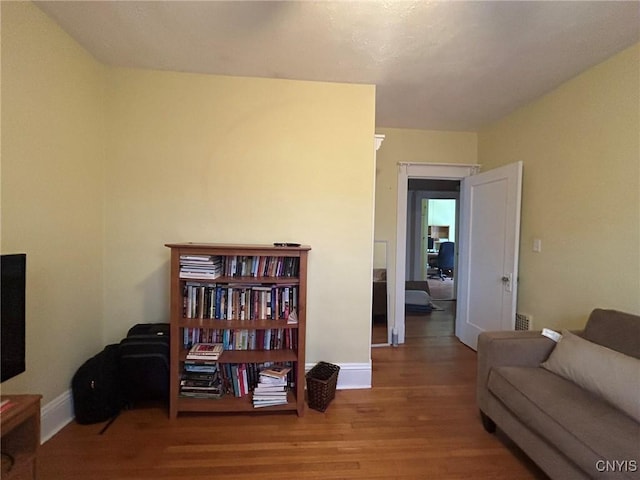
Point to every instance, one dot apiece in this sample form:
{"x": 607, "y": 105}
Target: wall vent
{"x": 523, "y": 321}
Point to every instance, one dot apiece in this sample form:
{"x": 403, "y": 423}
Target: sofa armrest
{"x": 508, "y": 348}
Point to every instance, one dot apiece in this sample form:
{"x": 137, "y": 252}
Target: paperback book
{"x": 272, "y": 387}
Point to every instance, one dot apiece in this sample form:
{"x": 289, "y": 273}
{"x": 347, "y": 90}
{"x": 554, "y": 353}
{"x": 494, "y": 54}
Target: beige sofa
{"x": 572, "y": 407}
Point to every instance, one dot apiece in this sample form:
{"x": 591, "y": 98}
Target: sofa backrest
{"x": 615, "y": 330}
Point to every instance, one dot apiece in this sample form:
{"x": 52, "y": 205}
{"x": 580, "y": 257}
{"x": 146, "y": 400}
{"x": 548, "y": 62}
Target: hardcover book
{"x": 205, "y": 351}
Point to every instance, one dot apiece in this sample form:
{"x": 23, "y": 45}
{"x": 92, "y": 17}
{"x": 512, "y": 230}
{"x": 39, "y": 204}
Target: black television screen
{"x": 12, "y": 322}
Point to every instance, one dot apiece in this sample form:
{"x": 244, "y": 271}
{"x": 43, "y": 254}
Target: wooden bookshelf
{"x": 188, "y": 313}
{"x": 20, "y": 425}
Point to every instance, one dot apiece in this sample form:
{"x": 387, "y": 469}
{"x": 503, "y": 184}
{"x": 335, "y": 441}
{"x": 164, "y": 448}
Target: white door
{"x": 488, "y": 254}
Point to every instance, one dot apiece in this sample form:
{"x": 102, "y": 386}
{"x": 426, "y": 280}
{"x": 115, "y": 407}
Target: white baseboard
{"x": 351, "y": 375}
{"x": 55, "y": 415}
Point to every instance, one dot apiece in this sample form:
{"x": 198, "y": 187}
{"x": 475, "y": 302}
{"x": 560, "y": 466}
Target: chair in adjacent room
{"x": 445, "y": 260}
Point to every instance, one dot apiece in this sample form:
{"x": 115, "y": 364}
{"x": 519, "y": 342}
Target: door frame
{"x": 434, "y": 171}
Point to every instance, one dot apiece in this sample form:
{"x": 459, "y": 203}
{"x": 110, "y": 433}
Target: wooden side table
{"x": 20, "y": 427}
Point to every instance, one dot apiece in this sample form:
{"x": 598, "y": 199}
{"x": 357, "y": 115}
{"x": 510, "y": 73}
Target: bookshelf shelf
{"x": 244, "y": 300}
{"x": 261, "y": 324}
{"x": 231, "y": 404}
{"x": 252, "y": 356}
{"x": 248, "y": 280}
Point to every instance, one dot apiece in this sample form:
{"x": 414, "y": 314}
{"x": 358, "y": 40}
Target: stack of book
{"x": 201, "y": 381}
{"x": 207, "y": 267}
{"x": 208, "y": 352}
{"x": 271, "y": 388}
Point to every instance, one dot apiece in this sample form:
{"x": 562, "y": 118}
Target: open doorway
{"x": 411, "y": 266}
{"x": 440, "y": 221}
{"x": 432, "y": 222}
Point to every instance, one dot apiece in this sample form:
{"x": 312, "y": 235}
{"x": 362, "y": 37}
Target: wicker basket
{"x": 321, "y": 385}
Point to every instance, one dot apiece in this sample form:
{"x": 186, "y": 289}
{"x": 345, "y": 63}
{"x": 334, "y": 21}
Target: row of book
{"x": 243, "y": 339}
{"x": 225, "y": 302}
{"x": 214, "y": 266}
{"x": 261, "y": 266}
{"x": 242, "y": 379}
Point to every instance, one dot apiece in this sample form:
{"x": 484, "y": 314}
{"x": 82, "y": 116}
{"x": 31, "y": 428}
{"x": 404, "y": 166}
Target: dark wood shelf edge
{"x": 246, "y": 281}
{"x": 251, "y": 356}
{"x": 233, "y": 249}
{"x": 262, "y": 324}
{"x": 230, "y": 403}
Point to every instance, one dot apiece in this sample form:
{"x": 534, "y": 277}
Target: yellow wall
{"x": 52, "y": 157}
{"x": 581, "y": 193}
{"x": 414, "y": 146}
{"x": 226, "y": 159}
{"x": 101, "y": 167}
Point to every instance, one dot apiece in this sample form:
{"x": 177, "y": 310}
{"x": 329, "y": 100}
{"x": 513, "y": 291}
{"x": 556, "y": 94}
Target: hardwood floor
{"x": 439, "y": 290}
{"x": 419, "y": 421}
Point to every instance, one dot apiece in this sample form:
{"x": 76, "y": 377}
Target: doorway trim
{"x": 435, "y": 171}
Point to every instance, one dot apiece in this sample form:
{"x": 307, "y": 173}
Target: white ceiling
{"x": 441, "y": 65}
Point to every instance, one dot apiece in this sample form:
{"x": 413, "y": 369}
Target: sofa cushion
{"x": 604, "y": 327}
{"x": 578, "y": 423}
{"x": 608, "y": 374}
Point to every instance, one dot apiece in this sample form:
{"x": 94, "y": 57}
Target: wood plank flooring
{"x": 440, "y": 290}
{"x": 419, "y": 421}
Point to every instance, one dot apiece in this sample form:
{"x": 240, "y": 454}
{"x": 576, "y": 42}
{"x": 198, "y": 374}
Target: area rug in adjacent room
{"x": 441, "y": 290}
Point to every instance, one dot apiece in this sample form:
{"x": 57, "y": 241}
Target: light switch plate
{"x": 537, "y": 245}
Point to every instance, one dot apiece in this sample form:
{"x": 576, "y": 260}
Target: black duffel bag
{"x": 95, "y": 387}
